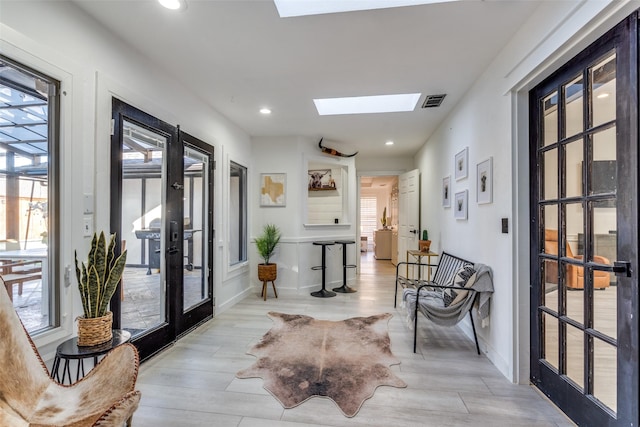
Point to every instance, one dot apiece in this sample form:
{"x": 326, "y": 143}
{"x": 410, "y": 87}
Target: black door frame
{"x": 177, "y": 322}
{"x": 204, "y": 309}
{"x": 579, "y": 407}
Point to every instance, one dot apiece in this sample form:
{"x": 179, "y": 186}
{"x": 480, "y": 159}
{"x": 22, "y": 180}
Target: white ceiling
{"x": 240, "y": 56}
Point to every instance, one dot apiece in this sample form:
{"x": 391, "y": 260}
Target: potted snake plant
{"x": 97, "y": 282}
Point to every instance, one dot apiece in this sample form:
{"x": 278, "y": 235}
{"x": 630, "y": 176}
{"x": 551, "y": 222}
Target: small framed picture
{"x": 460, "y": 204}
{"x": 461, "y": 164}
{"x": 273, "y": 187}
{"x": 484, "y": 184}
{"x": 446, "y": 191}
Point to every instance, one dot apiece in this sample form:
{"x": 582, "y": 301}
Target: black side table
{"x": 323, "y": 293}
{"x": 69, "y": 350}
{"x": 344, "y": 288}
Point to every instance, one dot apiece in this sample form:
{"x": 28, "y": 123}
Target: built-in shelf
{"x": 323, "y": 189}
{"x": 340, "y": 225}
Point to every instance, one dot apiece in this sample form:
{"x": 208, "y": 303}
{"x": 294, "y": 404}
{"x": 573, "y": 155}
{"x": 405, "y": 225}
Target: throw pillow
{"x": 465, "y": 278}
{"x": 459, "y": 280}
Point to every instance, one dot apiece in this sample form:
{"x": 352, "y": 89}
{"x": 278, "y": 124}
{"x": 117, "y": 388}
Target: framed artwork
{"x": 446, "y": 191}
{"x": 460, "y": 204}
{"x": 484, "y": 183}
{"x": 273, "y": 189}
{"x": 461, "y": 164}
{"x": 321, "y": 179}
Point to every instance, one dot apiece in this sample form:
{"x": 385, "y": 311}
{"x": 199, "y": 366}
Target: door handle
{"x": 620, "y": 268}
{"x": 413, "y": 231}
{"x": 177, "y": 186}
{"x": 172, "y": 250}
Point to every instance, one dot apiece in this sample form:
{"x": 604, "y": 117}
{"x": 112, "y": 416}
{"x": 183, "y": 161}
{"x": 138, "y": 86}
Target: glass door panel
{"x": 196, "y": 202}
{"x": 195, "y": 296}
{"x": 143, "y": 180}
{"x": 584, "y": 334}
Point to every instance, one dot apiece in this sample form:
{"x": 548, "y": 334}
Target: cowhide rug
{"x": 345, "y": 361}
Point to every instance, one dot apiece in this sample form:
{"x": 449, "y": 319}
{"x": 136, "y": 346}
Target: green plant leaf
{"x": 98, "y": 280}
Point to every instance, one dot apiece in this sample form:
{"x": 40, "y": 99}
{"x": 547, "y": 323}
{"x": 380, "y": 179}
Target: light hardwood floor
{"x": 193, "y": 383}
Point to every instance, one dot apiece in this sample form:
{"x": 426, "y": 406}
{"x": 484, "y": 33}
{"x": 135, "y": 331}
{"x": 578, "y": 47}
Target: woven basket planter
{"x": 267, "y": 272}
{"x": 95, "y": 331}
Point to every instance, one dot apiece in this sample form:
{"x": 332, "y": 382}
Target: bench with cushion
{"x": 445, "y": 300}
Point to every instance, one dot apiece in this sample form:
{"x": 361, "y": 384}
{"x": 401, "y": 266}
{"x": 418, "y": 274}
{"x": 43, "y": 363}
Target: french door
{"x": 584, "y": 234}
{"x": 162, "y": 211}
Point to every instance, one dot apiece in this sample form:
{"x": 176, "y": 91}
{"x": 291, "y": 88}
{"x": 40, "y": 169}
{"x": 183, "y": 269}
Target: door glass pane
{"x": 574, "y": 156}
{"x": 550, "y": 276}
{"x": 575, "y": 355}
{"x": 604, "y": 370}
{"x": 604, "y": 169}
{"x": 574, "y": 107}
{"x": 603, "y": 87}
{"x": 574, "y": 274}
{"x": 550, "y": 343}
{"x": 550, "y": 119}
{"x": 143, "y": 181}
{"x": 196, "y": 201}
{"x": 551, "y": 174}
{"x": 550, "y": 235}
{"x": 605, "y": 243}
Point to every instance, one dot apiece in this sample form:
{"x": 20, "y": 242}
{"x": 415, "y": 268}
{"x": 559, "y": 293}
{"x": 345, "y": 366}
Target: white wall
{"x": 491, "y": 121}
{"x": 61, "y": 41}
{"x": 296, "y": 253}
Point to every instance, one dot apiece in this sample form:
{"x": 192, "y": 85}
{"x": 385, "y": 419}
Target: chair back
{"x": 447, "y": 268}
{"x": 551, "y": 243}
{"x": 23, "y": 375}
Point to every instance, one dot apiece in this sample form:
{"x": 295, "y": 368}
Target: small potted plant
{"x": 425, "y": 243}
{"x": 266, "y": 244}
{"x": 97, "y": 282}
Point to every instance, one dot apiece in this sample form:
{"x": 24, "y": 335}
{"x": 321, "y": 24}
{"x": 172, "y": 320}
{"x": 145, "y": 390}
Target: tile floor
{"x": 193, "y": 382}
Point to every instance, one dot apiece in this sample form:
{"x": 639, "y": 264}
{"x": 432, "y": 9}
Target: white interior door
{"x": 408, "y": 213}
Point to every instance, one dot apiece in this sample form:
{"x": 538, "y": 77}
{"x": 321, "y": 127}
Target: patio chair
{"x": 29, "y": 397}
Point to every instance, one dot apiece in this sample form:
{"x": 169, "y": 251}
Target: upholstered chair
{"x": 106, "y": 396}
{"x": 574, "y": 274}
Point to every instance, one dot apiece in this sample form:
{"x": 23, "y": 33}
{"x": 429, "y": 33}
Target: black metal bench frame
{"x": 446, "y": 270}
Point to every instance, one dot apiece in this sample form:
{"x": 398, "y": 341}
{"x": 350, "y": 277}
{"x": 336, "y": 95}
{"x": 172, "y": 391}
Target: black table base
{"x": 344, "y": 288}
{"x": 323, "y": 293}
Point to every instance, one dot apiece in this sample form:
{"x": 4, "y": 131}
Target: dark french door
{"x": 162, "y": 211}
{"x": 584, "y": 234}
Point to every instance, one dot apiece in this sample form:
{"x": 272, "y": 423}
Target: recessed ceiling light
{"x": 603, "y": 95}
{"x": 265, "y": 111}
{"x": 388, "y": 143}
{"x": 287, "y": 8}
{"x": 174, "y": 4}
{"x": 367, "y": 104}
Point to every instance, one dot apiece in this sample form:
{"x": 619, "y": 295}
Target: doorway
{"x": 584, "y": 237}
{"x": 162, "y": 211}
{"x": 378, "y": 201}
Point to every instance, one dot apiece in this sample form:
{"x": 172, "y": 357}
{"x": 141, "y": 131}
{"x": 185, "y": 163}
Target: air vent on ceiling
{"x": 433, "y": 100}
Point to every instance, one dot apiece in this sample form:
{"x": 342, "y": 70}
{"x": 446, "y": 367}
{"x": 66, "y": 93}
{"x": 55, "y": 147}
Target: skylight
{"x": 288, "y": 8}
{"x": 367, "y": 104}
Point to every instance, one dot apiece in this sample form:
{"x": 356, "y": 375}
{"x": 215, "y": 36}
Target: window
{"x": 29, "y": 108}
{"x": 237, "y": 213}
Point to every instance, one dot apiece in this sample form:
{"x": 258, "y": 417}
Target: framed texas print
{"x": 446, "y": 192}
{"x": 484, "y": 181}
{"x": 461, "y": 164}
{"x": 273, "y": 189}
